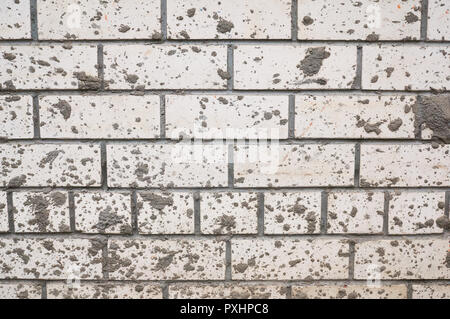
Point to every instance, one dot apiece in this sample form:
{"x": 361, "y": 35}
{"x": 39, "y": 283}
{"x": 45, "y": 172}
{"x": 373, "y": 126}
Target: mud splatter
{"x": 313, "y": 60}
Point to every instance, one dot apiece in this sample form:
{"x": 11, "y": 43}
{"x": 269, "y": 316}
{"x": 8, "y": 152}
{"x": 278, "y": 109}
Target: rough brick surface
{"x": 48, "y": 67}
{"x": 278, "y": 67}
{"x": 4, "y": 223}
{"x": 357, "y": 212}
{"x": 235, "y": 19}
{"x": 36, "y": 212}
{"x": 226, "y": 116}
{"x": 103, "y": 212}
{"x": 50, "y": 165}
{"x": 438, "y": 20}
{"x": 405, "y": 67}
{"x": 172, "y": 259}
{"x": 405, "y": 165}
{"x": 349, "y": 292}
{"x": 292, "y": 212}
{"x": 165, "y": 66}
{"x": 362, "y": 20}
{"x": 16, "y": 116}
{"x": 67, "y": 20}
{"x": 299, "y": 165}
{"x": 431, "y": 291}
{"x": 234, "y": 291}
{"x": 15, "y": 20}
{"x": 271, "y": 259}
{"x": 165, "y": 213}
{"x": 109, "y": 290}
{"x": 20, "y": 291}
{"x": 402, "y": 259}
{"x": 229, "y": 213}
{"x": 114, "y": 116}
{"x": 50, "y": 258}
{"x": 416, "y": 212}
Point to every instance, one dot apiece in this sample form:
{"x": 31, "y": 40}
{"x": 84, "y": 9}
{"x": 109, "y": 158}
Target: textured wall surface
{"x": 224, "y": 149}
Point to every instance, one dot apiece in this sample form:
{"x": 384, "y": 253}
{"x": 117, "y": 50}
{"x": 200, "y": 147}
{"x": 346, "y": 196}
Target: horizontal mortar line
{"x": 300, "y": 91}
{"x": 222, "y": 237}
{"x": 222, "y": 281}
{"x": 224, "y": 189}
{"x": 287, "y": 41}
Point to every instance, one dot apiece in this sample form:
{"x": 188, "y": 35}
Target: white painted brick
{"x": 165, "y": 66}
{"x": 355, "y": 212}
{"x": 103, "y": 212}
{"x": 431, "y": 291}
{"x": 108, "y": 290}
{"x": 15, "y": 290}
{"x": 354, "y": 116}
{"x": 16, "y": 116}
{"x": 292, "y": 213}
{"x": 41, "y": 212}
{"x": 287, "y": 259}
{"x": 402, "y": 259}
{"x": 232, "y": 19}
{"x": 438, "y": 27}
{"x": 67, "y": 19}
{"x": 105, "y": 116}
{"x": 294, "y": 165}
{"x": 404, "y": 165}
{"x": 405, "y": 67}
{"x": 229, "y": 213}
{"x": 227, "y": 291}
{"x": 166, "y": 259}
{"x": 349, "y": 292}
{"x": 165, "y": 213}
{"x": 362, "y": 20}
{"x": 48, "y": 67}
{"x": 416, "y": 212}
{"x": 167, "y": 165}
{"x": 227, "y": 116}
{"x": 279, "y": 67}
{"x": 29, "y": 258}
{"x": 4, "y": 223}
{"x": 15, "y": 21}
{"x": 50, "y": 165}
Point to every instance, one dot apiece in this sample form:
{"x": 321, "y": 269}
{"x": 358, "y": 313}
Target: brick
{"x": 41, "y": 212}
{"x": 16, "y": 117}
{"x": 229, "y": 213}
{"x": 105, "y": 116}
{"x": 227, "y": 116}
{"x": 349, "y": 292}
{"x": 203, "y": 19}
{"x": 364, "y": 20}
{"x": 165, "y": 66}
{"x": 287, "y": 259}
{"x": 292, "y": 213}
{"x": 29, "y": 258}
{"x": 438, "y": 27}
{"x": 103, "y": 212}
{"x": 279, "y": 67}
{"x": 167, "y": 165}
{"x": 431, "y": 291}
{"x": 355, "y": 212}
{"x": 4, "y": 223}
{"x": 227, "y": 291}
{"x": 66, "y": 20}
{"x": 294, "y": 165}
{"x": 405, "y": 67}
{"x": 165, "y": 213}
{"x": 48, "y": 67}
{"x": 50, "y": 165}
{"x": 166, "y": 259}
{"x": 402, "y": 259}
{"x": 354, "y": 116}
{"x": 108, "y": 290}
{"x": 404, "y": 165}
{"x": 15, "y": 21}
{"x": 416, "y": 212}
{"x": 16, "y": 290}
